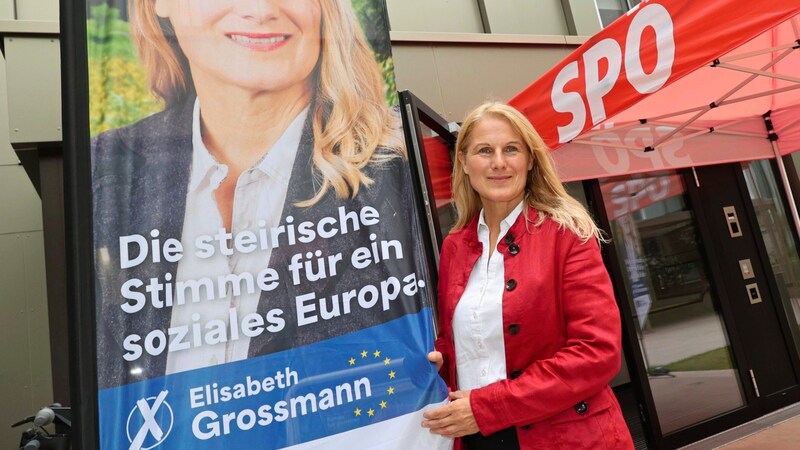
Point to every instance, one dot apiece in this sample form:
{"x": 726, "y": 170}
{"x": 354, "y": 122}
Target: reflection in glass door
{"x": 691, "y": 370}
{"x": 778, "y": 239}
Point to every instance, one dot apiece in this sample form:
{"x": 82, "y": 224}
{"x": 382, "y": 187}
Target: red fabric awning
{"x": 687, "y": 79}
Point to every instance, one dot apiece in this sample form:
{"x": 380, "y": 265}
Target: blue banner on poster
{"x": 284, "y": 399}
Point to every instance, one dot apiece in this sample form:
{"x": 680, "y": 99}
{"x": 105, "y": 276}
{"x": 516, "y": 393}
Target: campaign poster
{"x": 260, "y": 277}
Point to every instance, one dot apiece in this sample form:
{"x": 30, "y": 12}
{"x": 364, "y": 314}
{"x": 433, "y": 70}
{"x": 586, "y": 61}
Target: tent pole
{"x": 722, "y": 99}
{"x": 763, "y": 73}
{"x": 779, "y": 157}
{"x": 787, "y": 187}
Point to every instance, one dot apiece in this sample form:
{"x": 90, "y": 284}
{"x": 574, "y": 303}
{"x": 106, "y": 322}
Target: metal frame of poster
{"x": 248, "y": 267}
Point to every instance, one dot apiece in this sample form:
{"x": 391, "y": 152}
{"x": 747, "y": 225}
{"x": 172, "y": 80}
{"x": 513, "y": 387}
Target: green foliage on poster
{"x": 372, "y": 16}
{"x": 119, "y": 92}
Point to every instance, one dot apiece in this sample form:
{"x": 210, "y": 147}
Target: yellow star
{"x": 358, "y": 412}
{"x": 390, "y": 390}
{"x": 386, "y": 361}
{"x": 377, "y": 353}
{"x": 370, "y": 412}
{"x": 383, "y": 404}
{"x": 364, "y": 353}
{"x": 352, "y": 361}
{"x": 391, "y": 374}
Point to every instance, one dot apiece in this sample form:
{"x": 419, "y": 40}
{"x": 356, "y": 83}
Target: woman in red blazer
{"x": 529, "y": 333}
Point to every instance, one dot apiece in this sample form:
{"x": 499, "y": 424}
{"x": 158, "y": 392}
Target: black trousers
{"x": 502, "y": 440}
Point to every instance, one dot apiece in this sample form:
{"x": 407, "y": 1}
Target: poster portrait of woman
{"x": 267, "y": 205}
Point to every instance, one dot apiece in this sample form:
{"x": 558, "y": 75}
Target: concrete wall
{"x": 541, "y": 17}
{"x": 24, "y": 343}
{"x": 454, "y": 73}
{"x": 526, "y": 17}
{"x": 462, "y": 16}
{"x": 462, "y": 52}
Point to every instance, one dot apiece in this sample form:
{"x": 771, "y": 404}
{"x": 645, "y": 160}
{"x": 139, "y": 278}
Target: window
{"x": 610, "y": 10}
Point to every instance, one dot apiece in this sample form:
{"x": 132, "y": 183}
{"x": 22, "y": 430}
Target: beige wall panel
{"x": 38, "y": 324}
{"x": 20, "y": 206}
{"x": 25, "y": 348}
{"x": 6, "y": 9}
{"x": 415, "y": 70}
{"x": 469, "y": 75}
{"x": 15, "y": 370}
{"x": 526, "y": 16}
{"x": 37, "y": 9}
{"x": 435, "y": 15}
{"x": 34, "y": 89}
{"x": 584, "y": 15}
{"x": 7, "y": 155}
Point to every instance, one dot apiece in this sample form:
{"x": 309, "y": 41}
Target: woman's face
{"x": 497, "y": 162}
{"x": 258, "y": 45}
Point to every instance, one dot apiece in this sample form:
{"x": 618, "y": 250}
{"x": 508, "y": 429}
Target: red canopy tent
{"x": 672, "y": 84}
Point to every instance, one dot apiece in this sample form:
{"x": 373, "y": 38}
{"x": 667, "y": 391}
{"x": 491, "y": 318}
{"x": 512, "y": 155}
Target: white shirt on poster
{"x": 478, "y": 318}
{"x": 259, "y": 197}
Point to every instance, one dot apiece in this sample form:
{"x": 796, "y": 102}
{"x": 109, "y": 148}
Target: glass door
{"x": 690, "y": 368}
{"x": 779, "y": 241}
{"x": 768, "y": 355}
{"x": 709, "y": 270}
{"x": 431, "y": 144}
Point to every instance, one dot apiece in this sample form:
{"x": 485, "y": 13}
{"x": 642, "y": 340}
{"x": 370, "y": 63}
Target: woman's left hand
{"x": 454, "y": 419}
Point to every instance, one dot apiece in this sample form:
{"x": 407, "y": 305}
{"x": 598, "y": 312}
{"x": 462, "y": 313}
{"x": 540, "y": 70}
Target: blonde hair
{"x": 543, "y": 190}
{"x": 349, "y": 113}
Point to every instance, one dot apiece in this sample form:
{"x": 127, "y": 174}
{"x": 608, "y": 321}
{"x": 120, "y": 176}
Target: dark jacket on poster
{"x": 561, "y": 335}
{"x": 140, "y": 181}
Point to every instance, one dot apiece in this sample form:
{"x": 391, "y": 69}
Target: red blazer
{"x": 562, "y": 338}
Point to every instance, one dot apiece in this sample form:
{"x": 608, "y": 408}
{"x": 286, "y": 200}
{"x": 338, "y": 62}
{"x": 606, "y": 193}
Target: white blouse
{"x": 258, "y": 203}
{"x": 478, "y": 318}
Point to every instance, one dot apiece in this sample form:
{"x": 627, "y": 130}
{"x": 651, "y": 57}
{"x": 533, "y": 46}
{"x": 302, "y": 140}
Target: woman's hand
{"x": 436, "y": 358}
{"x": 454, "y": 419}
